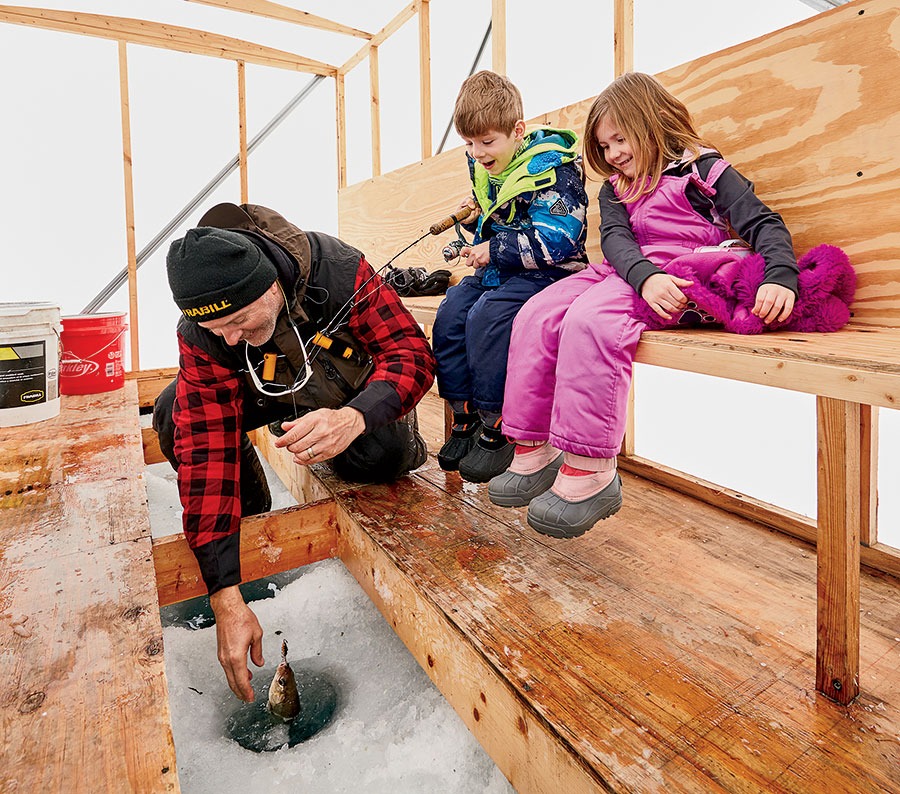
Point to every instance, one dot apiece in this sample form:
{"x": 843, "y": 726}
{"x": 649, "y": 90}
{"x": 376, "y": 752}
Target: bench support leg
{"x": 839, "y": 516}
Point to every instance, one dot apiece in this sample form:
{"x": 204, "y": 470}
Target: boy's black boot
{"x": 463, "y": 436}
{"x": 490, "y": 456}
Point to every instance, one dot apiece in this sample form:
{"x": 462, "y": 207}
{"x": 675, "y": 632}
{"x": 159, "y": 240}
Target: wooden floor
{"x": 83, "y": 698}
{"x": 672, "y": 648}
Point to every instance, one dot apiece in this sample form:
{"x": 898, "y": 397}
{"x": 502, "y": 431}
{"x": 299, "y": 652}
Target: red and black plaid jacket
{"x": 208, "y": 413}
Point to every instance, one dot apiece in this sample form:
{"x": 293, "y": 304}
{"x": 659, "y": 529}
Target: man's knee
{"x": 384, "y": 454}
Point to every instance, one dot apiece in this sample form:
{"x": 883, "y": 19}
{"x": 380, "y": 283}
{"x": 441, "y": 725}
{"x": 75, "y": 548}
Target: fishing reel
{"x": 452, "y": 249}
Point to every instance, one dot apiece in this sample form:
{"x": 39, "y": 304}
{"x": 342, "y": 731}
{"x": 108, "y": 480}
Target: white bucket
{"x": 29, "y": 362}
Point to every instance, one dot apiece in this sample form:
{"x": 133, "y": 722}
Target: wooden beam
{"x": 167, "y": 37}
{"x": 868, "y": 475}
{"x": 375, "y": 95}
{"x": 520, "y": 741}
{"x": 264, "y": 8}
{"x": 425, "y": 75}
{"x": 878, "y": 557}
{"x": 623, "y": 37}
{"x": 380, "y": 37}
{"x": 130, "y": 247}
{"x": 498, "y": 36}
{"x": 340, "y": 108}
{"x": 795, "y": 524}
{"x": 242, "y": 130}
{"x": 628, "y": 438}
{"x": 270, "y": 543}
{"x": 837, "y": 645}
{"x": 150, "y": 382}
{"x": 152, "y": 452}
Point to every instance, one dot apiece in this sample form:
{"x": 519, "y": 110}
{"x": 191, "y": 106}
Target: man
{"x": 293, "y": 330}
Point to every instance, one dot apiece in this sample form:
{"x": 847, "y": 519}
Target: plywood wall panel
{"x": 808, "y": 113}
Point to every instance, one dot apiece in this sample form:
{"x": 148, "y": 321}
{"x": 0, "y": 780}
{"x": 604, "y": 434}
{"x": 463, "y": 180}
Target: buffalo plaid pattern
{"x": 209, "y": 407}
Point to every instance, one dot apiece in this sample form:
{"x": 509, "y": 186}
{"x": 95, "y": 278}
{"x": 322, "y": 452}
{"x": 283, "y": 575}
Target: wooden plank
{"x": 271, "y": 543}
{"x": 837, "y": 649}
{"x": 340, "y": 108}
{"x": 81, "y": 639}
{"x": 375, "y": 97}
{"x": 868, "y": 475}
{"x": 425, "y": 75}
{"x": 519, "y": 741}
{"x": 794, "y": 524}
{"x": 670, "y": 648}
{"x": 82, "y": 678}
{"x": 786, "y": 361}
{"x": 380, "y": 37}
{"x": 130, "y": 249}
{"x": 877, "y": 556}
{"x": 152, "y": 452}
{"x": 623, "y": 37}
{"x": 282, "y": 13}
{"x": 169, "y": 37}
{"x": 498, "y": 36}
{"x": 150, "y": 382}
{"x": 242, "y": 130}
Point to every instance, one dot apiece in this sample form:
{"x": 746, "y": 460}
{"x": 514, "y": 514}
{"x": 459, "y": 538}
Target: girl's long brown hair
{"x": 658, "y": 127}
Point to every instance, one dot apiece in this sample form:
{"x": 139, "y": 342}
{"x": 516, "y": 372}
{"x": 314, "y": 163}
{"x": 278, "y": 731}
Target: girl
{"x": 666, "y": 194}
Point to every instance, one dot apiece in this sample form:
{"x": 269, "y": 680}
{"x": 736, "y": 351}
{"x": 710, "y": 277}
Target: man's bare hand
{"x": 320, "y": 435}
{"x": 237, "y": 631}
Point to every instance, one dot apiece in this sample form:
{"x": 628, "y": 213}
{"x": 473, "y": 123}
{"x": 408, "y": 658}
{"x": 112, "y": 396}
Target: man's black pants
{"x": 383, "y": 455}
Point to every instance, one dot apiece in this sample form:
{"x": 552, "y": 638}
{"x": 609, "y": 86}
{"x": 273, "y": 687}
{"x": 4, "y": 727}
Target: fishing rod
{"x": 343, "y": 313}
{"x": 435, "y": 229}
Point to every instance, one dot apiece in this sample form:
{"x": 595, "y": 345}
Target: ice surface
{"x": 392, "y": 731}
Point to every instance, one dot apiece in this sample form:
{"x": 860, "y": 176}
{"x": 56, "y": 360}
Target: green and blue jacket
{"x": 534, "y": 213}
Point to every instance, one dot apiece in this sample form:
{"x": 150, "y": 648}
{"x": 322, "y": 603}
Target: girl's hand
{"x": 773, "y": 302}
{"x": 664, "y": 295}
{"x": 477, "y": 255}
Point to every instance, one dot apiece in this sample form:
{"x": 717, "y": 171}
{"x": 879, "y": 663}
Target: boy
{"x": 529, "y": 207}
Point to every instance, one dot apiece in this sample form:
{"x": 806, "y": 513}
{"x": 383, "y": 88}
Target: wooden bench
{"x": 83, "y": 695}
{"x": 809, "y": 114}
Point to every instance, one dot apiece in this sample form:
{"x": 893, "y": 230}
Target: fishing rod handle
{"x": 457, "y": 217}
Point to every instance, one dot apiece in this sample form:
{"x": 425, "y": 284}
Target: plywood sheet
{"x": 808, "y": 113}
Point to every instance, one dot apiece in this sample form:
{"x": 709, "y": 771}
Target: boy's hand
{"x": 664, "y": 295}
{"x": 468, "y": 203}
{"x": 773, "y": 302}
{"x": 477, "y": 255}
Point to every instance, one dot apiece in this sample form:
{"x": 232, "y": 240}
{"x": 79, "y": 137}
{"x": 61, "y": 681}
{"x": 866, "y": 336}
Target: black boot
{"x": 490, "y": 456}
{"x": 463, "y": 436}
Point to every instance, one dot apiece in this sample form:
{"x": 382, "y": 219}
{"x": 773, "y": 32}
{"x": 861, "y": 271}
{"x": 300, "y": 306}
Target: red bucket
{"x": 93, "y": 352}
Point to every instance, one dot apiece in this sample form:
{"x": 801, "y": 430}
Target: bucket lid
{"x": 88, "y": 322}
{"x": 37, "y": 312}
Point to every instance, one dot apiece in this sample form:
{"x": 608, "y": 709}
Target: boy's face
{"x": 495, "y": 150}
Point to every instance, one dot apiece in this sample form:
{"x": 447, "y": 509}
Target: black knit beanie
{"x": 216, "y": 272}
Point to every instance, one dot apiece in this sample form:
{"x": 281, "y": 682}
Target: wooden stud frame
{"x": 131, "y": 251}
{"x": 242, "y": 130}
{"x": 498, "y": 36}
